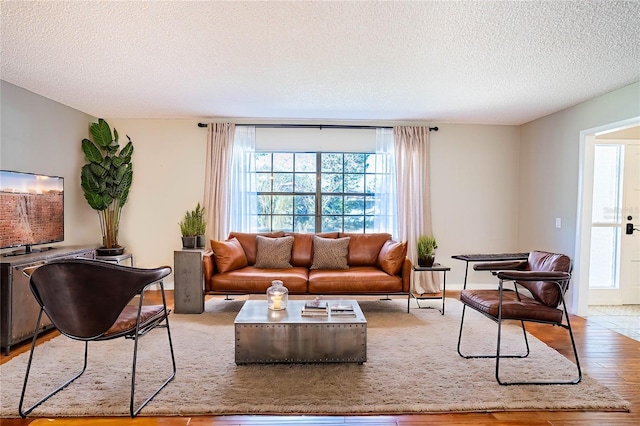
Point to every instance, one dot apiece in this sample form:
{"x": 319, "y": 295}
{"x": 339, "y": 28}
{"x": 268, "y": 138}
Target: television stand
{"x": 27, "y": 250}
{"x": 18, "y": 308}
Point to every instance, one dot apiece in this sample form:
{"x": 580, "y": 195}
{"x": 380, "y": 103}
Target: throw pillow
{"x": 273, "y": 253}
{"x": 248, "y": 242}
{"x": 392, "y": 255}
{"x": 330, "y": 253}
{"x": 229, "y": 255}
{"x": 365, "y": 248}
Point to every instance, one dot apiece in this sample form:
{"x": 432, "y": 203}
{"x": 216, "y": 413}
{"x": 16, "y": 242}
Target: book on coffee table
{"x": 315, "y": 305}
{"x": 314, "y": 312}
{"x": 341, "y": 309}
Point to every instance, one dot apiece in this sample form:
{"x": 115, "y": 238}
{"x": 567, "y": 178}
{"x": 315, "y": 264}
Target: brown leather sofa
{"x": 375, "y": 264}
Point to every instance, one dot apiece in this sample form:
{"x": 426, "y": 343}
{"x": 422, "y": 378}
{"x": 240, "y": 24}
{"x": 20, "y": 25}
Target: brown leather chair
{"x": 89, "y": 301}
{"x": 546, "y": 276}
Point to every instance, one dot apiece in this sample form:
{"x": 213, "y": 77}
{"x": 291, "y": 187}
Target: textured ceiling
{"x": 493, "y": 62}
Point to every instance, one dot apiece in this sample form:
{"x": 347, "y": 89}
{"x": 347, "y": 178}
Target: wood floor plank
{"x": 609, "y": 357}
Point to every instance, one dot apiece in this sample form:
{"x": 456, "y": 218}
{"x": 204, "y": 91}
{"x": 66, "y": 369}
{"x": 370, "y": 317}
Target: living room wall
{"x": 550, "y": 161}
{"x": 39, "y": 135}
{"x": 490, "y": 184}
{"x": 474, "y": 168}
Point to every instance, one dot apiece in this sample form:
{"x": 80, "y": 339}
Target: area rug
{"x": 412, "y": 367}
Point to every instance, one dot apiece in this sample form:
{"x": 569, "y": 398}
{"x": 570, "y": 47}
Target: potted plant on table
{"x": 106, "y": 180}
{"x": 426, "y": 245}
{"x": 201, "y": 226}
{"x": 192, "y": 228}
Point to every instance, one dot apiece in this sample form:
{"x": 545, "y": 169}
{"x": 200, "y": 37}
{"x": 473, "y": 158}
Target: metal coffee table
{"x": 266, "y": 336}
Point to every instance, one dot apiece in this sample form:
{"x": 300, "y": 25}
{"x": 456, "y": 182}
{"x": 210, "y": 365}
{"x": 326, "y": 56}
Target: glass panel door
{"x": 606, "y": 217}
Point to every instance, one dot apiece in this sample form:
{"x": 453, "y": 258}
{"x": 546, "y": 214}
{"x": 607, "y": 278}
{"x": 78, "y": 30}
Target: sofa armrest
{"x": 208, "y": 268}
{"x": 406, "y": 275}
{"x": 511, "y": 265}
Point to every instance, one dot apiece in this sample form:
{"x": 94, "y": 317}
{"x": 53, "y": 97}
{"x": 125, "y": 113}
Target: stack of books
{"x": 315, "y": 308}
{"x": 341, "y": 309}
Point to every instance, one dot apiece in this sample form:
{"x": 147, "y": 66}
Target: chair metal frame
{"x": 562, "y": 281}
{"x": 160, "y": 320}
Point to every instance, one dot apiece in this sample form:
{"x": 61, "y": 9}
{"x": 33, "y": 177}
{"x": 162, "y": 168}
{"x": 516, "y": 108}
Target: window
{"x": 315, "y": 192}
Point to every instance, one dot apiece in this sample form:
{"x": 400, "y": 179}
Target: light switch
{"x": 558, "y": 222}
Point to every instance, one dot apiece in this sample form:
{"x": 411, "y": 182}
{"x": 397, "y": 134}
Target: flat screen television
{"x": 31, "y": 211}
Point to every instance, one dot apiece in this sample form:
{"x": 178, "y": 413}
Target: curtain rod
{"x": 314, "y": 126}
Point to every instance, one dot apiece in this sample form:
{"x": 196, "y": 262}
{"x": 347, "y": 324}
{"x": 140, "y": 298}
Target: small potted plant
{"x": 200, "y": 225}
{"x": 427, "y": 245}
{"x": 192, "y": 228}
{"x": 188, "y": 230}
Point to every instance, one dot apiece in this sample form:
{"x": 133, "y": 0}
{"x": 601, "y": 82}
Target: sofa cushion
{"x": 364, "y": 248}
{"x": 355, "y": 280}
{"x": 248, "y": 242}
{"x": 257, "y": 280}
{"x": 302, "y": 251}
{"x": 392, "y": 255}
{"x": 229, "y": 255}
{"x": 330, "y": 253}
{"x": 273, "y": 253}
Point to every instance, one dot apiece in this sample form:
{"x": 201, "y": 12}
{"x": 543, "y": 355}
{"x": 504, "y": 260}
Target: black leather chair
{"x": 546, "y": 276}
{"x": 89, "y": 301}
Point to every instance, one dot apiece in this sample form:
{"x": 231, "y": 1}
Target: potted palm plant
{"x": 106, "y": 180}
{"x": 426, "y": 246}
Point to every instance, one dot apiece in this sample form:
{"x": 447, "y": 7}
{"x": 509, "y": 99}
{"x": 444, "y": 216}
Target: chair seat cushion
{"x": 126, "y": 322}
{"x": 525, "y": 308}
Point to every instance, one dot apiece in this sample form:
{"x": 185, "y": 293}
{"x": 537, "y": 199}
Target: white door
{"x": 614, "y": 271}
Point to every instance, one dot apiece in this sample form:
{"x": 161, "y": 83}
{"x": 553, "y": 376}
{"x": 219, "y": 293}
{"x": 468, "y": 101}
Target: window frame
{"x": 264, "y": 222}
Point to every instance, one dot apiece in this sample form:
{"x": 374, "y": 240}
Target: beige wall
{"x": 168, "y": 179}
{"x": 474, "y": 190}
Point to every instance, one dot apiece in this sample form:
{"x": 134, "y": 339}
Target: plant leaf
{"x": 91, "y": 152}
{"x": 101, "y": 133}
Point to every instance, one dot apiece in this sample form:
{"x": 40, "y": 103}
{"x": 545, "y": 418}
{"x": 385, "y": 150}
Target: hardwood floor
{"x": 609, "y": 357}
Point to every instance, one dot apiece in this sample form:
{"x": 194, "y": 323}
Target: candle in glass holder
{"x": 277, "y": 296}
{"x": 277, "y": 301}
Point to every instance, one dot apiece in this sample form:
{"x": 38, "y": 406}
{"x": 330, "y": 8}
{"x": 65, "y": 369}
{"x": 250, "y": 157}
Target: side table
{"x": 117, "y": 259}
{"x": 435, "y": 268}
{"x": 498, "y": 257}
{"x": 188, "y": 281}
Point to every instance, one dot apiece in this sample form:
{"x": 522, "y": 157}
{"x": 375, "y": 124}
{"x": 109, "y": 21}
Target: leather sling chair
{"x": 89, "y": 300}
{"x": 546, "y": 276}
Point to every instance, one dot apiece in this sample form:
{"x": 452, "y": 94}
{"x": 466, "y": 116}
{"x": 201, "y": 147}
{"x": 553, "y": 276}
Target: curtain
{"x": 228, "y": 199}
{"x": 414, "y": 197}
{"x": 243, "y": 199}
{"x": 386, "y": 206}
{"x": 216, "y": 194}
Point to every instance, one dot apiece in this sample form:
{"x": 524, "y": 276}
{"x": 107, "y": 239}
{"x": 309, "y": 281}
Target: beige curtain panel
{"x": 217, "y": 179}
{"x": 414, "y": 197}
